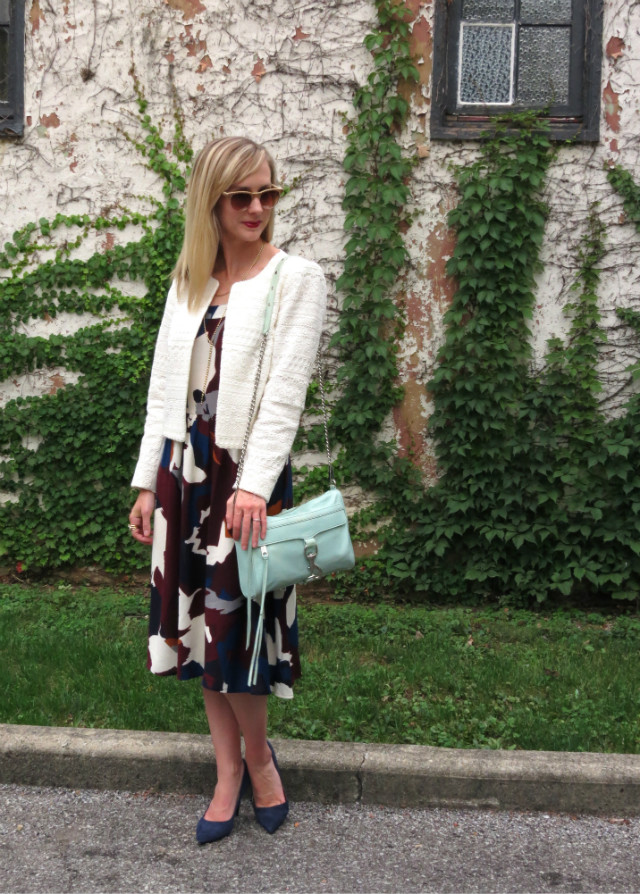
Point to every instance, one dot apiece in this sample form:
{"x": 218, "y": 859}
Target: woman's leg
{"x": 225, "y": 735}
{"x": 250, "y": 712}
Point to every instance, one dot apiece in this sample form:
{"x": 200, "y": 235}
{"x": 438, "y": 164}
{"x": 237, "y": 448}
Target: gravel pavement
{"x": 61, "y": 840}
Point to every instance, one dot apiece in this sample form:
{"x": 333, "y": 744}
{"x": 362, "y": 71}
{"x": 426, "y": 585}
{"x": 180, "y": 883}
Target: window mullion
{"x": 516, "y": 51}
{"x": 454, "y": 42}
{"x": 577, "y": 59}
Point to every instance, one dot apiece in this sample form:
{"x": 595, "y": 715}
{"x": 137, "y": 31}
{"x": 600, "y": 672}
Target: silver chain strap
{"x": 243, "y": 452}
{"x": 325, "y": 421}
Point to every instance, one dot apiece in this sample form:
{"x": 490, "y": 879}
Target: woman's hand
{"x": 140, "y": 516}
{"x": 246, "y": 517}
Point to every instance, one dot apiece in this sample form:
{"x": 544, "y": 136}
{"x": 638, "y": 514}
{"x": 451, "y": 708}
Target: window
{"x": 11, "y": 67}
{"x": 492, "y": 56}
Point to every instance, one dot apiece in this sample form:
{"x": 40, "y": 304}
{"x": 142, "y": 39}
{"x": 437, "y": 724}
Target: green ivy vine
{"x": 539, "y": 494}
{"x": 67, "y": 457}
{"x": 371, "y": 323}
{"x": 78, "y": 518}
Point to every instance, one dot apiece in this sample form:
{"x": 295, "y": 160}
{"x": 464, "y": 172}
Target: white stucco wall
{"x": 284, "y": 72}
{"x": 577, "y": 179}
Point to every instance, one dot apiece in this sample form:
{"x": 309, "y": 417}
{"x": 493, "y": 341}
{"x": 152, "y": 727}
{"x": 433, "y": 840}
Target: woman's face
{"x": 247, "y": 225}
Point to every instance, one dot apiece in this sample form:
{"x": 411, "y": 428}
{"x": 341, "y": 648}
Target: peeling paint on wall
{"x": 615, "y": 48}
{"x": 51, "y": 120}
{"x": 56, "y": 383}
{"x": 258, "y": 70}
{"x": 440, "y": 247}
{"x": 422, "y": 40}
{"x": 188, "y": 8}
{"x": 193, "y": 44}
{"x": 285, "y": 73}
{"x": 611, "y": 107}
{"x": 35, "y": 15}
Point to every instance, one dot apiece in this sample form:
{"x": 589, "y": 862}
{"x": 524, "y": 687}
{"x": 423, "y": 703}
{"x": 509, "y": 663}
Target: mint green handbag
{"x": 302, "y": 544}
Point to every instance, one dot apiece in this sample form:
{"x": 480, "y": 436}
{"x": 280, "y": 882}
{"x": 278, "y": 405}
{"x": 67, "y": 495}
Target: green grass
{"x": 458, "y": 677}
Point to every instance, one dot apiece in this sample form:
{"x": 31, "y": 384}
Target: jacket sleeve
{"x": 297, "y": 333}
{"x": 152, "y": 439}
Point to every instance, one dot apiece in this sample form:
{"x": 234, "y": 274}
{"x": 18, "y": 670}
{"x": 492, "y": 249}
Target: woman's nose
{"x": 256, "y": 205}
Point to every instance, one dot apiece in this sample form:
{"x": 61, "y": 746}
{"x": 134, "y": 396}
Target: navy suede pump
{"x": 271, "y": 818}
{"x": 209, "y": 830}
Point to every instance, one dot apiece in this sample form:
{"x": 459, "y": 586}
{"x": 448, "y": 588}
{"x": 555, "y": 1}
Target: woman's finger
{"x": 246, "y": 530}
{"x": 146, "y": 522}
{"x": 256, "y": 530}
{"x": 140, "y": 517}
{"x": 229, "y": 514}
{"x": 246, "y": 518}
{"x": 236, "y": 525}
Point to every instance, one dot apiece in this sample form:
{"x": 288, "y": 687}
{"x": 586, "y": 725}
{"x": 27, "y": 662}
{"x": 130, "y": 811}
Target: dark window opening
{"x": 11, "y": 67}
{"x": 494, "y": 56}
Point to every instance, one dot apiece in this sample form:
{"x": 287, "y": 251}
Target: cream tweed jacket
{"x": 292, "y": 344}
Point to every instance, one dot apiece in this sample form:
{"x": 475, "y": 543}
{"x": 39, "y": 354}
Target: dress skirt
{"x": 198, "y": 616}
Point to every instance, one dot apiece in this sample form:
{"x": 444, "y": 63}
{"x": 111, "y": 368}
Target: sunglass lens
{"x": 269, "y": 197}
{"x": 240, "y": 201}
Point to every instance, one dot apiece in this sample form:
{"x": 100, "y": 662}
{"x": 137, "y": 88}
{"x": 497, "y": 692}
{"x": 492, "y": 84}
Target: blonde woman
{"x": 198, "y": 408}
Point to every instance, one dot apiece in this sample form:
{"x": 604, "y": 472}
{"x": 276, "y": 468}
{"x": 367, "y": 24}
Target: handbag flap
{"x": 305, "y": 529}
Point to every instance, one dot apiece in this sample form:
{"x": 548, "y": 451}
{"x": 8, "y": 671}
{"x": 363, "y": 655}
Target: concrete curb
{"x": 329, "y": 772}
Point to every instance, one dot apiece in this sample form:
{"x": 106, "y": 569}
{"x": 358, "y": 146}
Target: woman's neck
{"x": 233, "y": 267}
{"x": 237, "y": 260}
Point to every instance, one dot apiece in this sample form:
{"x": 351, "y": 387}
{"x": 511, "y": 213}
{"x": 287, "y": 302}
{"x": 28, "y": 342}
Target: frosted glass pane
{"x": 4, "y": 65}
{"x": 488, "y": 10}
{"x": 486, "y": 64}
{"x": 545, "y": 12}
{"x": 543, "y": 66}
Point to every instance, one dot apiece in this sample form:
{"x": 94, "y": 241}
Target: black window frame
{"x": 579, "y": 120}
{"x": 12, "y": 112}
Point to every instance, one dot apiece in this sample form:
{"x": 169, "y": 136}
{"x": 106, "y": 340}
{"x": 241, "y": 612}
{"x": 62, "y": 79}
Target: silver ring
{"x": 256, "y": 519}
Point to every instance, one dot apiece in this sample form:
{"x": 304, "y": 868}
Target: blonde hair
{"x": 219, "y": 165}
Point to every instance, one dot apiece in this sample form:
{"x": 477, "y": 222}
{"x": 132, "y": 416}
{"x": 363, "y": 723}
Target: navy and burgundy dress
{"x": 197, "y": 626}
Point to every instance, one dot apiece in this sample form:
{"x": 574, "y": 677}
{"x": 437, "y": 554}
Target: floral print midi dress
{"x": 198, "y": 616}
